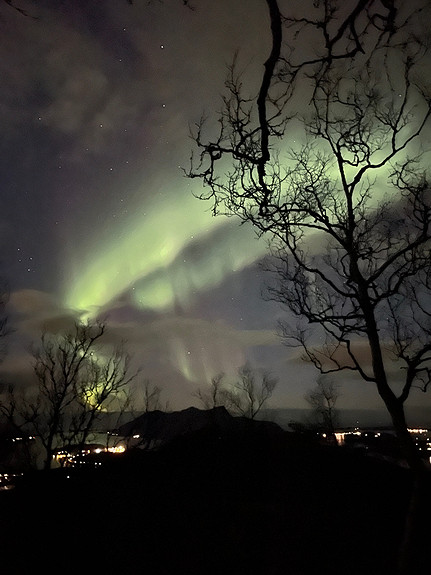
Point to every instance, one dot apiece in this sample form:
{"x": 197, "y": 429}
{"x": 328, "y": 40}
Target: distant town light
{"x": 117, "y": 449}
{"x": 73, "y": 458}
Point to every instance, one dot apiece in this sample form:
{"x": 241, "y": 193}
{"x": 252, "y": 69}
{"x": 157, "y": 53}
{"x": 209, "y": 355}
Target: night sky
{"x": 97, "y": 220}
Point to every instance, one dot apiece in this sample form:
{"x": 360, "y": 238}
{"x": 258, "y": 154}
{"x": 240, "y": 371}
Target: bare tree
{"x": 215, "y": 396}
{"x": 323, "y": 399}
{"x": 348, "y": 209}
{"x": 149, "y": 398}
{"x": 248, "y": 395}
{"x": 75, "y": 386}
{"x": 105, "y": 387}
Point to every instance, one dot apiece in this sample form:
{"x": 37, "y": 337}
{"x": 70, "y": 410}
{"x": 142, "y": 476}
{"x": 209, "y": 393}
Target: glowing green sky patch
{"x": 225, "y": 251}
{"x": 148, "y": 241}
{"x": 164, "y": 255}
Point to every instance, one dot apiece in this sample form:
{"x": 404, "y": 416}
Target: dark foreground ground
{"x": 212, "y": 507}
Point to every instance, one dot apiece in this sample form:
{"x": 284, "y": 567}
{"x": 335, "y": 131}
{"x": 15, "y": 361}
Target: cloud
{"x": 175, "y": 351}
{"x": 198, "y": 348}
{"x": 68, "y": 81}
{"x": 33, "y": 311}
{"x": 184, "y": 353}
{"x": 30, "y": 312}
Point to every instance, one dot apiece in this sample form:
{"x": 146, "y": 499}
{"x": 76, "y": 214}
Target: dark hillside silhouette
{"x": 204, "y": 504}
{"x": 159, "y": 426}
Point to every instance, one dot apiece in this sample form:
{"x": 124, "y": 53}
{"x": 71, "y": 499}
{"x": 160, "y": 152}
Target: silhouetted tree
{"x": 348, "y": 207}
{"x": 149, "y": 398}
{"x": 248, "y": 395}
{"x": 76, "y": 384}
{"x": 348, "y": 210}
{"x": 215, "y": 396}
{"x": 323, "y": 399}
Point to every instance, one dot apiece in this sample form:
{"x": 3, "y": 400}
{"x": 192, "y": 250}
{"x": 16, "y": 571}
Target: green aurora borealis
{"x": 97, "y": 217}
{"x": 158, "y": 257}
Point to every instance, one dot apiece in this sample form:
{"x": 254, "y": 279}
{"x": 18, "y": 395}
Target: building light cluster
{"x": 74, "y": 458}
{"x": 116, "y": 449}
{"x": 7, "y": 480}
{"x": 340, "y": 435}
{"x": 27, "y": 438}
{"x": 422, "y": 439}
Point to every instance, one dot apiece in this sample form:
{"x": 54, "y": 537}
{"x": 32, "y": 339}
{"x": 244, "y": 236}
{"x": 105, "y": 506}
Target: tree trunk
{"x": 411, "y": 550}
{"x": 48, "y": 460}
{"x": 408, "y": 549}
{"x": 406, "y": 442}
